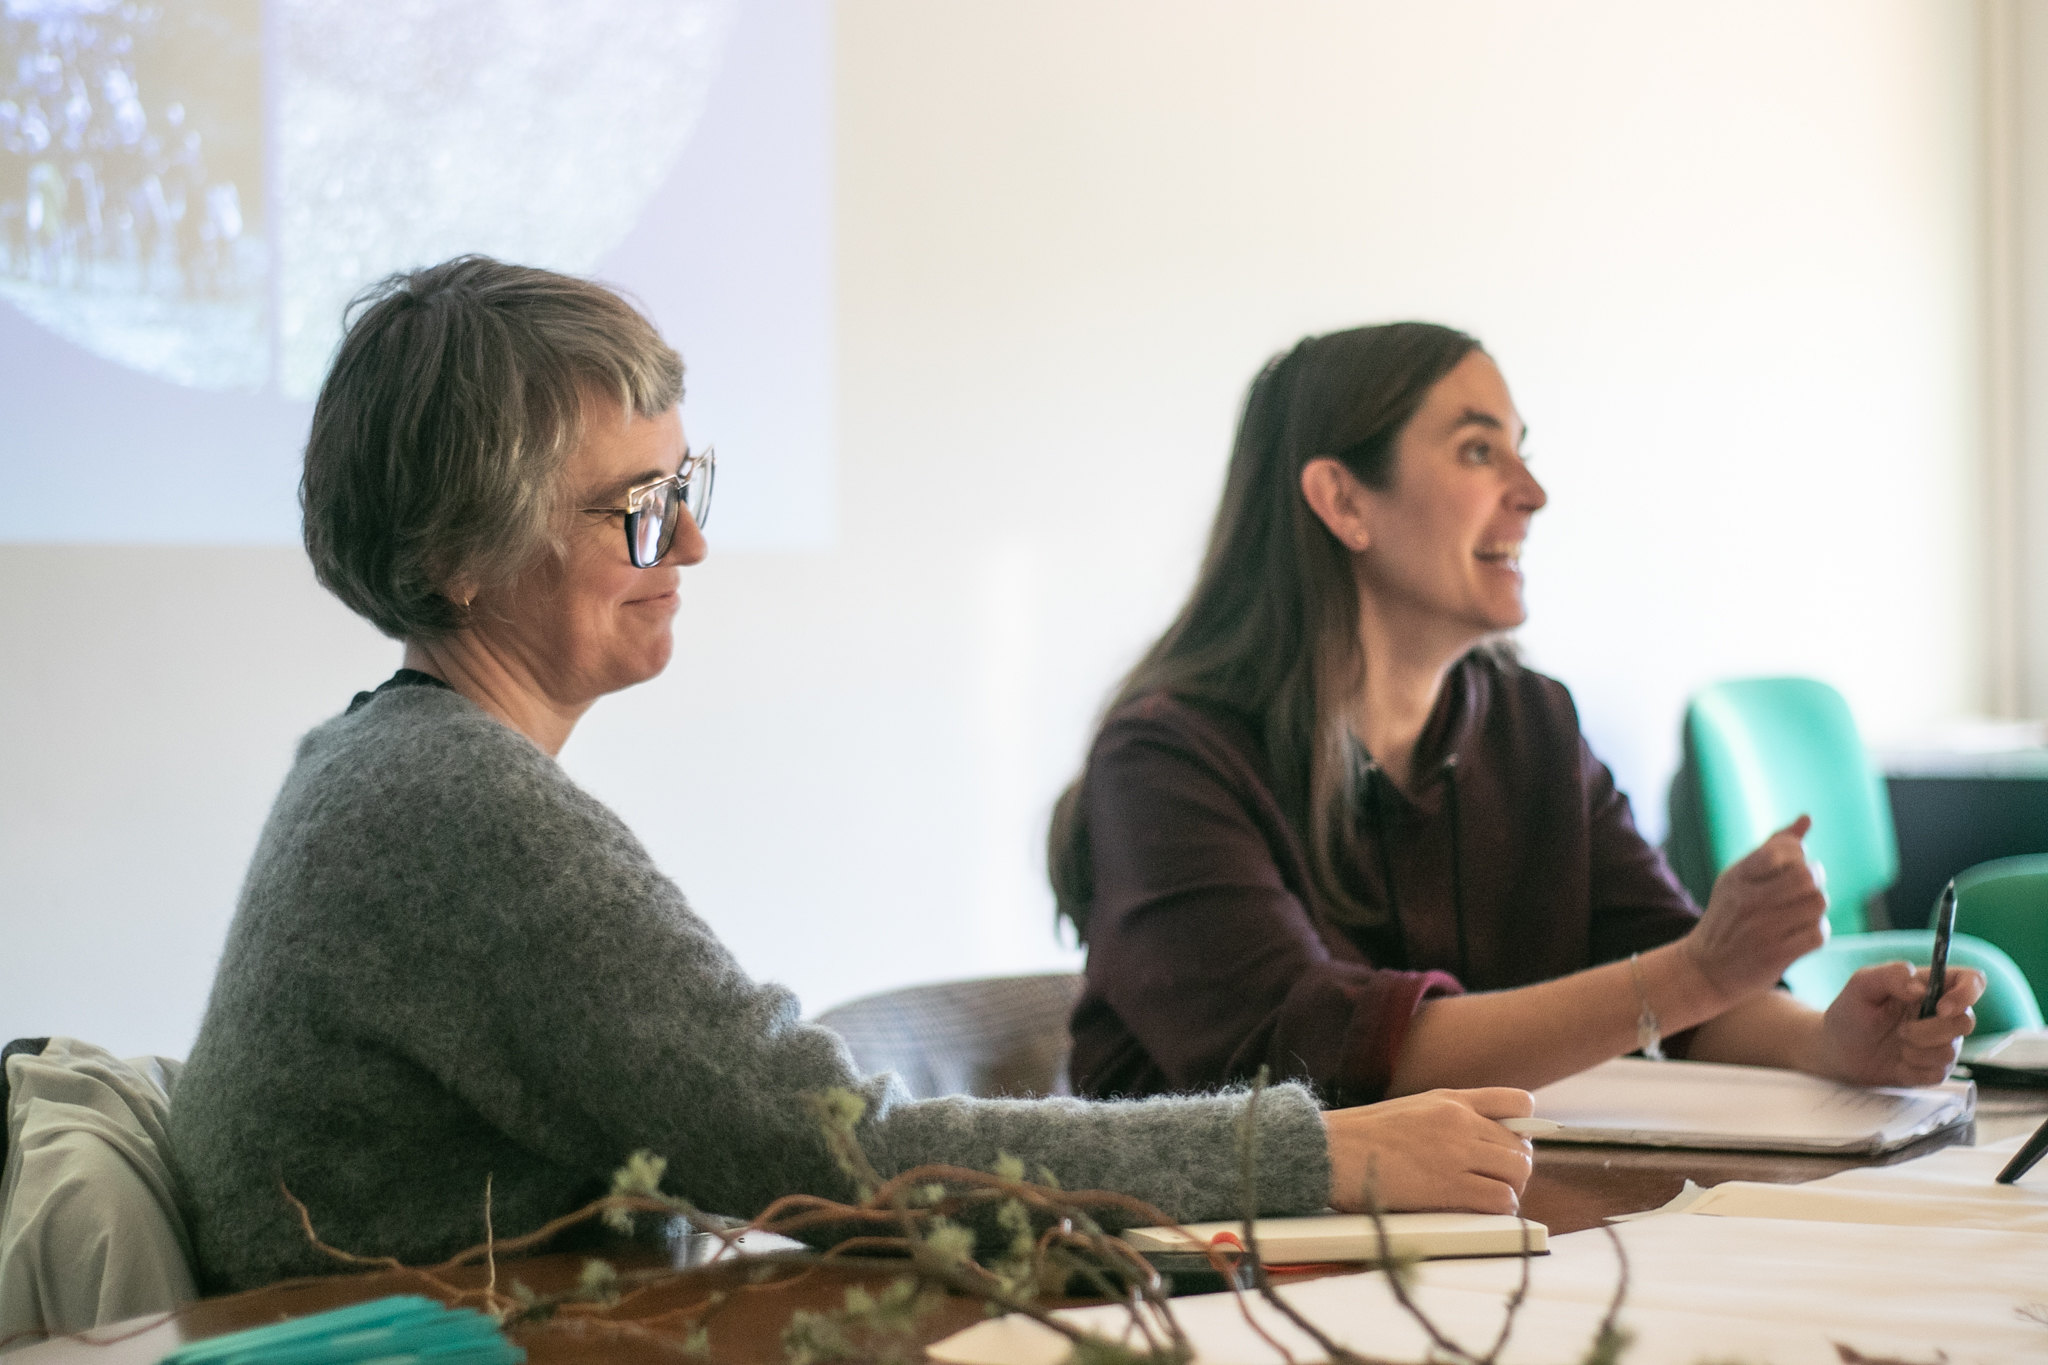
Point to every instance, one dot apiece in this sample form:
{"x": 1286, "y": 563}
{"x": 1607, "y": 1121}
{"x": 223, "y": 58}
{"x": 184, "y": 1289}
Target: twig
{"x": 490, "y": 1253}
{"x": 345, "y": 1257}
{"x": 1248, "y": 1195}
{"x": 1620, "y": 1280}
{"x": 1507, "y": 1322}
{"x": 1611, "y": 1323}
{"x": 1075, "y": 1243}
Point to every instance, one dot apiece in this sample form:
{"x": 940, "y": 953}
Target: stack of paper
{"x": 1642, "y": 1103}
{"x": 1783, "y": 1292}
{"x": 1952, "y": 1188}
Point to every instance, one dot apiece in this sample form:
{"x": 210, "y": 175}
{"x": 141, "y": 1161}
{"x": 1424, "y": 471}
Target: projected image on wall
{"x": 131, "y": 184}
{"x": 190, "y": 193}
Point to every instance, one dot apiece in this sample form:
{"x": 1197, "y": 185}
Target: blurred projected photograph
{"x": 131, "y": 182}
{"x": 192, "y": 190}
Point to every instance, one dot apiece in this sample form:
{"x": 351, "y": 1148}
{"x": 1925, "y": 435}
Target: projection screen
{"x": 190, "y": 193}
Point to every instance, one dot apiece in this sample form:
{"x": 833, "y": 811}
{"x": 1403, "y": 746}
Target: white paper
{"x": 2023, "y": 1049}
{"x": 1642, "y": 1103}
{"x": 1702, "y": 1288}
{"x": 1951, "y": 1188}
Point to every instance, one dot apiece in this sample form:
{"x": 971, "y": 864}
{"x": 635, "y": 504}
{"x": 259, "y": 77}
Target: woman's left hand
{"x": 1873, "y": 1033}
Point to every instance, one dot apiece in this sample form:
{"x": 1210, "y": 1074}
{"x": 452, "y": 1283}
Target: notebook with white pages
{"x": 2017, "y": 1058}
{"x": 1352, "y": 1237}
{"x": 1639, "y": 1103}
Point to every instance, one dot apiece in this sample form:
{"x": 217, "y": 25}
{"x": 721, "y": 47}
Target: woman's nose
{"x": 690, "y": 546}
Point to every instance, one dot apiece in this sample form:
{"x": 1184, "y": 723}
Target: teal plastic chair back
{"x": 1767, "y": 750}
{"x": 2006, "y": 902}
{"x": 2008, "y": 1002}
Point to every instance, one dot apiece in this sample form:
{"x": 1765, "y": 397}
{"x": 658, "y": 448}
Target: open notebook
{"x": 1351, "y": 1237}
{"x": 1639, "y": 1103}
{"x": 2019, "y": 1058}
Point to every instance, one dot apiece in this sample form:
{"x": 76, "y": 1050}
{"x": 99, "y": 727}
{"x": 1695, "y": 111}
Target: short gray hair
{"x": 443, "y": 426}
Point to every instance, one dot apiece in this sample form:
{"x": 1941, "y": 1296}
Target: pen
{"x": 1532, "y": 1128}
{"x": 1937, "y": 970}
{"x": 2031, "y": 1151}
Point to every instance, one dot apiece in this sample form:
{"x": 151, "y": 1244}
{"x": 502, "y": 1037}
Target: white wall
{"x": 2026, "y": 29}
{"x": 1726, "y": 254}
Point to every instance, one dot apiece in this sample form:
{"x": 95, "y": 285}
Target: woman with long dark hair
{"x": 1332, "y": 827}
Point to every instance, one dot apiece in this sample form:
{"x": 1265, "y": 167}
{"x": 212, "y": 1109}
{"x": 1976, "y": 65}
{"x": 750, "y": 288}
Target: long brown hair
{"x": 1271, "y": 628}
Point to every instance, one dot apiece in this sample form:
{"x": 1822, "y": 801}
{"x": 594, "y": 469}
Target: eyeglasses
{"x": 652, "y": 509}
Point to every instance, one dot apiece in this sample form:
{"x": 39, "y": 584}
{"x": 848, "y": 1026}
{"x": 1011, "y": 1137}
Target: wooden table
{"x": 1573, "y": 1188}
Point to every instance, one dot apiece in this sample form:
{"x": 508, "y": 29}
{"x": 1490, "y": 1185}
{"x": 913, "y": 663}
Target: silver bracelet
{"x": 1649, "y": 1038}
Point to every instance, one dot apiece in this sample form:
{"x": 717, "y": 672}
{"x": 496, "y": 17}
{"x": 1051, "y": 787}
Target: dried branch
{"x": 916, "y": 1214}
{"x": 1611, "y": 1339}
{"x": 490, "y": 1242}
{"x": 1507, "y": 1322}
{"x": 1851, "y": 1356}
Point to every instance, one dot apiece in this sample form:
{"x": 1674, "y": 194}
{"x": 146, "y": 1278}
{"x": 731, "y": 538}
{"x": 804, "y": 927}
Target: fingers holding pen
{"x": 1903, "y": 985}
{"x": 1873, "y": 1035}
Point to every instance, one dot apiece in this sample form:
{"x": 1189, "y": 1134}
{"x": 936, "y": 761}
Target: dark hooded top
{"x": 1210, "y": 953}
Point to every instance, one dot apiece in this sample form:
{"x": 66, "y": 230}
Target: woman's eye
{"x": 1479, "y": 452}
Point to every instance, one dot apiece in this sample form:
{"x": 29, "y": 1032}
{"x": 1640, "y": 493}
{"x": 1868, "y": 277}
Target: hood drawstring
{"x": 1375, "y": 816}
{"x": 1457, "y": 871}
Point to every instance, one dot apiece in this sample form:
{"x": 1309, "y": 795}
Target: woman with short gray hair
{"x": 450, "y": 964}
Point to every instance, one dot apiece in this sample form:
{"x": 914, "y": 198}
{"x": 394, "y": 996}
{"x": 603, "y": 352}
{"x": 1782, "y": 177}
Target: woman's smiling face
{"x": 1443, "y": 540}
{"x": 586, "y": 622}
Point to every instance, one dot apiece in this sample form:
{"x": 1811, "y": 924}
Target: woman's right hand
{"x": 1766, "y": 911}
{"x": 1441, "y": 1149}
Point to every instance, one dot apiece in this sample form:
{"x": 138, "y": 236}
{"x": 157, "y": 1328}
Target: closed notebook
{"x": 1352, "y": 1237}
{"x": 1635, "y": 1102}
{"x": 2019, "y": 1058}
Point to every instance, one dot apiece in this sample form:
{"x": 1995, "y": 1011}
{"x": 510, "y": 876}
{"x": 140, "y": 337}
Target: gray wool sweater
{"x": 450, "y": 962}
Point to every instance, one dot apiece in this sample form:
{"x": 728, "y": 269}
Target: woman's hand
{"x": 1766, "y": 912}
{"x": 1441, "y": 1149}
{"x": 1873, "y": 1034}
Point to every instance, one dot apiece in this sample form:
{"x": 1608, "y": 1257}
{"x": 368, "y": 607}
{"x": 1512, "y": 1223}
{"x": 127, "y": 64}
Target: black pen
{"x": 1937, "y": 970}
{"x": 2023, "y": 1160}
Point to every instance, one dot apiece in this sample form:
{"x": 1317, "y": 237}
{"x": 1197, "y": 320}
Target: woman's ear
{"x": 1337, "y": 498}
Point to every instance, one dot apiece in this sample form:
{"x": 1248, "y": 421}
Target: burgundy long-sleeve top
{"x": 1516, "y": 860}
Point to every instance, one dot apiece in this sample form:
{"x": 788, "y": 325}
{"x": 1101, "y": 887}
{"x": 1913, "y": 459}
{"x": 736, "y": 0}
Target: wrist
{"x": 1810, "y": 1048}
{"x": 1681, "y": 989}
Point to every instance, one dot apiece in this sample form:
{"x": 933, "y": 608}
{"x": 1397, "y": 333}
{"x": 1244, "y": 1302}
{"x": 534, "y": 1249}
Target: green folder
{"x": 398, "y": 1330}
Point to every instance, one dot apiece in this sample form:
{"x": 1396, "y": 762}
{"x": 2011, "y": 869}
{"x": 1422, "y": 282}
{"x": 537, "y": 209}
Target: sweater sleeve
{"x": 596, "y": 1014}
{"x": 1202, "y": 949}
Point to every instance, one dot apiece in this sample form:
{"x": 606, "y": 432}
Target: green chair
{"x": 2006, "y": 902}
{"x": 1759, "y": 753}
{"x": 2008, "y": 1002}
{"x": 1765, "y": 751}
